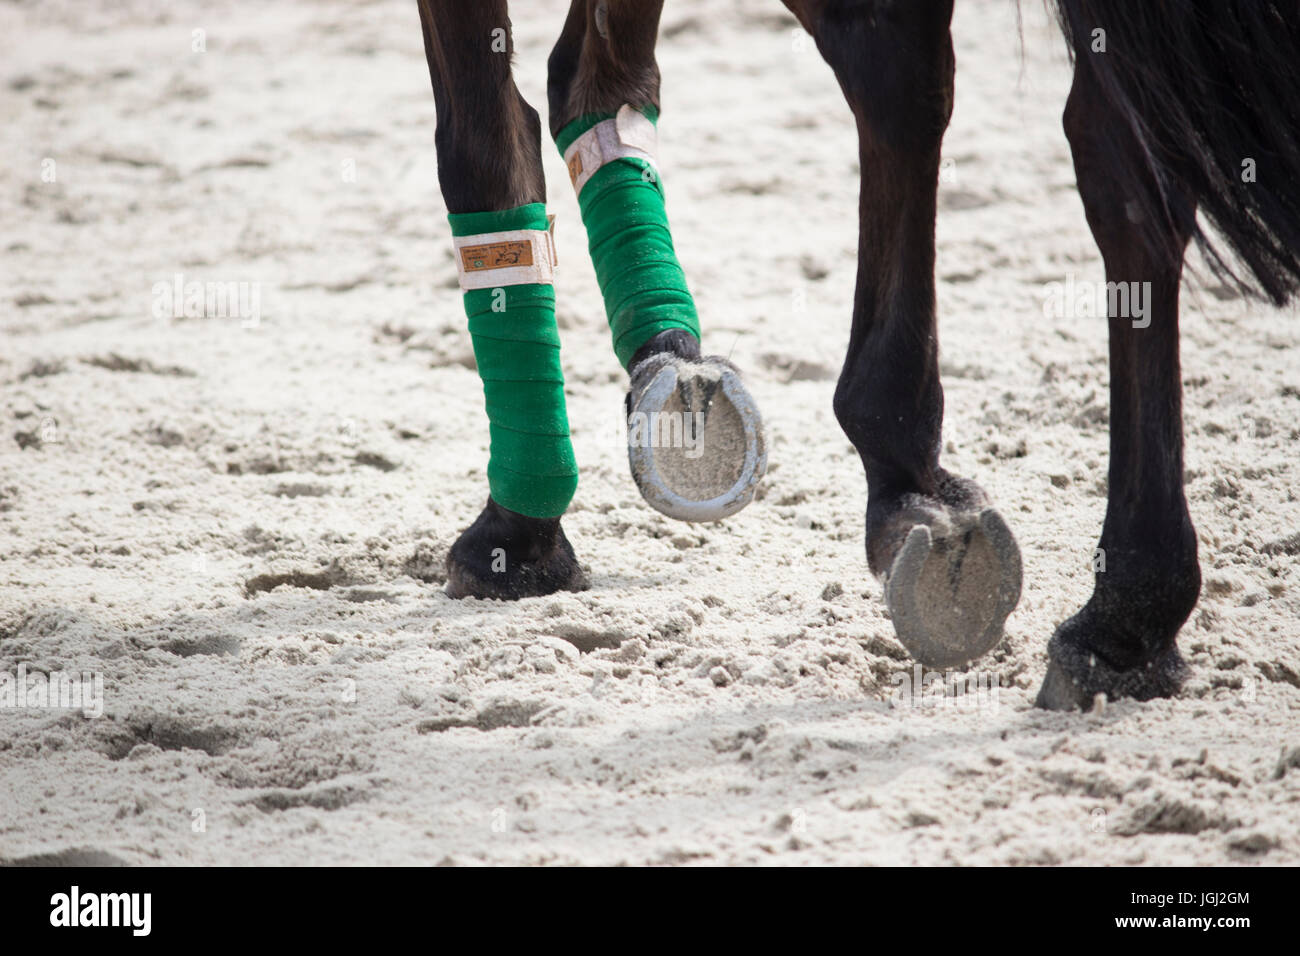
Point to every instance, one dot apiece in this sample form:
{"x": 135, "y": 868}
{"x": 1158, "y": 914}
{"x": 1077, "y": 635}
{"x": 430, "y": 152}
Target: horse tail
{"x": 1211, "y": 90}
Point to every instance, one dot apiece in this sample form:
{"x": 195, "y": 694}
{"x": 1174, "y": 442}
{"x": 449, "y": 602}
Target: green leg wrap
{"x": 531, "y": 468}
{"x": 631, "y": 247}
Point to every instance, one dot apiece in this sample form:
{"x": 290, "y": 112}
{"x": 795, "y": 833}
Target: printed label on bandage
{"x": 629, "y": 135}
{"x": 498, "y": 255}
{"x": 516, "y": 257}
{"x": 575, "y": 168}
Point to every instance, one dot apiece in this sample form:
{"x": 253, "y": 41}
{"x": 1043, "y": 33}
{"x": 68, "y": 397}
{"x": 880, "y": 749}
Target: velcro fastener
{"x": 629, "y": 135}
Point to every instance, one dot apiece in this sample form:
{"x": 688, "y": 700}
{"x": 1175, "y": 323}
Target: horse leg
{"x": 489, "y": 162}
{"x": 1122, "y": 643}
{"x": 603, "y": 60}
{"x": 695, "y": 438}
{"x": 950, "y": 566}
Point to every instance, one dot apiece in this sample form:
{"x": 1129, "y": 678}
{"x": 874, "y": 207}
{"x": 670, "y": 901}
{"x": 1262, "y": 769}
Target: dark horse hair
{"x": 1206, "y": 85}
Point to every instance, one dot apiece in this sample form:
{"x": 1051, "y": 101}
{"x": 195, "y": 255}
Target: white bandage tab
{"x": 491, "y": 260}
{"x": 629, "y": 135}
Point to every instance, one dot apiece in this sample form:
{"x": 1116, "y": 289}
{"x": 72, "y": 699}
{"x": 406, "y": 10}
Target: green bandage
{"x": 505, "y": 263}
{"x": 622, "y": 202}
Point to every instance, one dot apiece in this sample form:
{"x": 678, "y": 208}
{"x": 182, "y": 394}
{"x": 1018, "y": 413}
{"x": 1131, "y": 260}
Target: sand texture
{"x": 240, "y": 522}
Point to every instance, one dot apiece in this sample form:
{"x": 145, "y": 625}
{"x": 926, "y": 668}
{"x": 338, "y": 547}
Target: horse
{"x": 1175, "y": 107}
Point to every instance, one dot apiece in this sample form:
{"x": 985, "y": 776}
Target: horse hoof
{"x": 695, "y": 437}
{"x": 1059, "y": 692}
{"x": 506, "y": 556}
{"x": 1076, "y": 677}
{"x": 950, "y": 593}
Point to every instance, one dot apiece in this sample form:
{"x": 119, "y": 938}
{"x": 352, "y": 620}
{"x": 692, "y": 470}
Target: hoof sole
{"x": 695, "y": 438}
{"x": 950, "y": 595}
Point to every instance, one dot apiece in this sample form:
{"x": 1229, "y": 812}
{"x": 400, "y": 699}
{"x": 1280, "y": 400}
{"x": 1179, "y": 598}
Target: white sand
{"x": 721, "y": 695}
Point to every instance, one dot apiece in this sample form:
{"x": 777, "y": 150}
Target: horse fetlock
{"x": 678, "y": 342}
{"x": 1140, "y": 601}
{"x": 1122, "y": 643}
{"x": 898, "y": 443}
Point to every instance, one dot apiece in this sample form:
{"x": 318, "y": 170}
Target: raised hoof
{"x": 950, "y": 594}
{"x": 505, "y": 556}
{"x": 695, "y": 437}
{"x": 1075, "y": 677}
